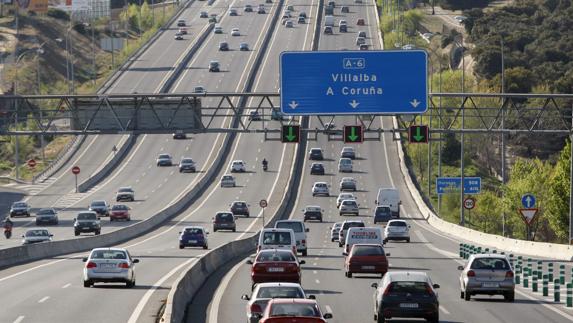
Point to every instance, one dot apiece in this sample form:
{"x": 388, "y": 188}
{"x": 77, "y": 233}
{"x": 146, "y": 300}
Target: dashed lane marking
{"x": 44, "y": 299}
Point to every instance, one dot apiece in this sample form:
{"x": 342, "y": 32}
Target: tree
{"x": 451, "y": 150}
{"x": 557, "y": 210}
{"x": 487, "y": 214}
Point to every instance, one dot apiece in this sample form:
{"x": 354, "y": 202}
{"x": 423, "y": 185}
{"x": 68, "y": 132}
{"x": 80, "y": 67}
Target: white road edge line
{"x": 19, "y": 319}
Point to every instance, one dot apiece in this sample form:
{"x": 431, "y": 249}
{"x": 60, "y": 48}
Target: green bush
{"x": 58, "y": 14}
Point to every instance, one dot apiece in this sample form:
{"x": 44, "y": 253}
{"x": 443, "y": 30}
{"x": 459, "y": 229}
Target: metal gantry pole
{"x": 440, "y": 141}
{"x": 462, "y": 218}
{"x": 430, "y": 140}
{"x": 94, "y": 68}
{"x": 502, "y": 134}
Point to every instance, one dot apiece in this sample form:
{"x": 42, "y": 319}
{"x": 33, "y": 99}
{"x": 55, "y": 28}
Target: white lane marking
{"x": 314, "y": 272}
{"x": 67, "y": 285}
{"x": 213, "y": 311}
{"x": 135, "y": 315}
{"x": 19, "y": 319}
{"x": 443, "y": 309}
{"x": 44, "y": 299}
{"x": 317, "y": 281}
{"x": 314, "y": 263}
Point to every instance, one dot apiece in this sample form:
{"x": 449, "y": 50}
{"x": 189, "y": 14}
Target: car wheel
{"x": 181, "y": 246}
{"x": 234, "y": 230}
{"x": 467, "y": 296}
{"x": 385, "y": 241}
{"x": 375, "y": 222}
{"x": 110, "y": 219}
{"x": 129, "y": 284}
{"x": 434, "y": 318}
{"x": 97, "y": 232}
{"x": 331, "y": 240}
{"x": 408, "y": 240}
{"x": 381, "y": 319}
{"x": 87, "y": 283}
{"x": 509, "y": 297}
{"x": 349, "y": 274}
{"x": 76, "y": 233}
{"x": 214, "y": 230}
{"x": 339, "y": 244}
{"x": 462, "y": 294}
{"x": 205, "y": 247}
{"x": 304, "y": 253}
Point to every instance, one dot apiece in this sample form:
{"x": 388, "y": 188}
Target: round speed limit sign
{"x": 263, "y": 203}
{"x": 469, "y": 203}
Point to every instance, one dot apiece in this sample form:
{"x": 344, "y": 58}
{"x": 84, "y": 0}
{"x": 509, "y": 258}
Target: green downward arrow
{"x": 418, "y": 136}
{"x": 290, "y": 136}
{"x": 353, "y": 135}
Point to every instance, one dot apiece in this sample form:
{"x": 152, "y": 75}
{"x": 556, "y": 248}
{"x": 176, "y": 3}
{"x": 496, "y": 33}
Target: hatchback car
{"x": 164, "y": 160}
{"x": 301, "y": 20}
{"x": 382, "y": 213}
{"x": 238, "y": 166}
{"x": 362, "y": 33}
{"x": 343, "y": 28}
{"x": 360, "y": 22}
{"x": 265, "y": 292}
{"x": 240, "y": 208}
{"x": 334, "y": 231}
{"x": 203, "y": 14}
{"x": 235, "y": 32}
{"x": 36, "y": 236}
{"x": 187, "y": 165}
{"x": 312, "y": 212}
{"x": 178, "y": 36}
{"x": 289, "y": 24}
{"x": 228, "y": 181}
{"x": 345, "y": 165}
{"x": 193, "y": 236}
{"x": 488, "y": 274}
{"x": 243, "y": 47}
{"x": 223, "y": 46}
{"x": 218, "y": 29}
{"x": 214, "y": 66}
{"x": 349, "y": 207}
{"x": 120, "y": 212}
{"x": 183, "y": 30}
{"x": 315, "y": 154}
{"x": 248, "y": 8}
{"x": 294, "y": 310}
{"x": 254, "y": 115}
{"x": 397, "y": 230}
{"x": 47, "y": 216}
{"x": 20, "y": 209}
{"x": 348, "y": 184}
{"x": 366, "y": 259}
{"x": 360, "y": 41}
{"x": 320, "y": 188}
{"x": 328, "y": 30}
{"x": 275, "y": 265}
{"x": 261, "y": 10}
{"x": 125, "y": 194}
{"x": 344, "y": 9}
{"x": 199, "y": 89}
{"x": 87, "y": 221}
{"x": 224, "y": 221}
{"x": 181, "y": 23}
{"x": 109, "y": 265}
{"x": 344, "y": 196}
{"x": 406, "y": 294}
{"x": 317, "y": 169}
{"x": 100, "y": 207}
{"x": 233, "y": 12}
{"x": 348, "y": 152}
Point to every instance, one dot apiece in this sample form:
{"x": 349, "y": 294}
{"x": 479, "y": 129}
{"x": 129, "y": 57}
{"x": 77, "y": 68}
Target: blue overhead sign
{"x": 528, "y": 201}
{"x": 472, "y": 185}
{"x": 354, "y": 82}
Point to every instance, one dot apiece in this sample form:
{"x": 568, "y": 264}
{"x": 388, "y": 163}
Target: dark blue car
{"x": 193, "y": 237}
{"x": 382, "y": 214}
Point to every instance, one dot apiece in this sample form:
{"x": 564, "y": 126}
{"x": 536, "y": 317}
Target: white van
{"x": 371, "y": 235}
{"x": 299, "y": 233}
{"x": 272, "y": 238}
{"x": 329, "y": 21}
{"x": 389, "y": 196}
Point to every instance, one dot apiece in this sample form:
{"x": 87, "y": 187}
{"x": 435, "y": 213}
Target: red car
{"x": 367, "y": 259}
{"x": 293, "y": 310}
{"x": 275, "y": 265}
{"x": 120, "y": 212}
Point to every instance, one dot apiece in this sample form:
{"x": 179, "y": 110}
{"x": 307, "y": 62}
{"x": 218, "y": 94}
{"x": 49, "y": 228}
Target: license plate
{"x": 86, "y": 228}
{"x": 490, "y": 285}
{"x": 276, "y": 269}
{"x": 368, "y": 267}
{"x": 192, "y": 241}
{"x": 409, "y": 305}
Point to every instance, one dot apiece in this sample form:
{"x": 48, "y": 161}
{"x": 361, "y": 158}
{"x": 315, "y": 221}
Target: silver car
{"x": 264, "y": 292}
{"x": 349, "y": 207}
{"x": 345, "y": 165}
{"x": 109, "y": 265}
{"x": 36, "y": 235}
{"x": 488, "y": 274}
{"x": 334, "y": 231}
{"x": 48, "y": 215}
{"x": 397, "y": 230}
{"x": 228, "y": 181}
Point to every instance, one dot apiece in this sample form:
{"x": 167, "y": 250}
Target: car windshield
{"x": 120, "y": 207}
{"x": 37, "y": 233}
{"x": 87, "y": 216}
{"x": 280, "y": 292}
{"x": 295, "y": 226}
{"x": 402, "y": 288}
{"x": 382, "y": 210}
{"x": 295, "y": 309}
{"x": 276, "y": 238}
{"x": 224, "y": 217}
{"x": 193, "y": 231}
{"x": 20, "y": 204}
{"x": 349, "y": 202}
{"x": 490, "y": 264}
{"x": 187, "y": 161}
{"x": 347, "y": 225}
{"x": 125, "y": 189}
{"x": 275, "y": 256}
{"x": 46, "y": 211}
{"x": 108, "y": 254}
{"x": 397, "y": 224}
{"x": 367, "y": 251}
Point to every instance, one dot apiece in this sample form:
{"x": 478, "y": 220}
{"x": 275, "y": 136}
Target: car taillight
{"x": 471, "y": 273}
{"x": 294, "y": 249}
{"x": 303, "y": 242}
{"x": 258, "y": 268}
{"x": 256, "y": 308}
{"x": 292, "y": 267}
{"x": 91, "y": 265}
{"x": 509, "y": 274}
{"x": 123, "y": 265}
{"x": 429, "y": 290}
{"x": 387, "y": 290}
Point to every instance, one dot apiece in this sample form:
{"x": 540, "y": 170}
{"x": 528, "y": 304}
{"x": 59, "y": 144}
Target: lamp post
{"x": 70, "y": 56}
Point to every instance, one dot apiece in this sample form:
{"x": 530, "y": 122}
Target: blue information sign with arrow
{"x": 528, "y": 201}
{"x": 354, "y": 82}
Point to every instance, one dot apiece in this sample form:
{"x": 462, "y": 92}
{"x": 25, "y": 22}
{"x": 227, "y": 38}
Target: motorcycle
{"x": 8, "y": 233}
{"x": 265, "y": 167}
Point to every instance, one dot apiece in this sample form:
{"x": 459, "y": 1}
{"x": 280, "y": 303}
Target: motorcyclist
{"x": 265, "y": 163}
{"x": 8, "y": 224}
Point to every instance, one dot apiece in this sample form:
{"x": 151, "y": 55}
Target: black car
{"x": 224, "y": 221}
{"x": 240, "y": 208}
{"x": 87, "y": 221}
{"x": 316, "y": 169}
{"x": 254, "y": 116}
{"x": 214, "y": 66}
{"x": 382, "y": 214}
{"x": 343, "y": 28}
{"x": 100, "y": 207}
{"x": 179, "y": 135}
{"x": 20, "y": 208}
{"x": 312, "y": 213}
{"x": 316, "y": 154}
{"x": 223, "y": 46}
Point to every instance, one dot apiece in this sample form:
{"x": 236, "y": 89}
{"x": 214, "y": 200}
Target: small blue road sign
{"x": 528, "y": 200}
{"x": 472, "y": 185}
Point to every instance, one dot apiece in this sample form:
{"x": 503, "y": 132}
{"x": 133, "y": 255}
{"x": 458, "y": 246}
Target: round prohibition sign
{"x": 469, "y": 203}
{"x": 31, "y": 163}
{"x": 263, "y": 203}
{"x": 76, "y": 170}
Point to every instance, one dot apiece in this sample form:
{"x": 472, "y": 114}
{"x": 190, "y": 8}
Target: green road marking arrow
{"x": 418, "y": 136}
{"x": 353, "y": 136}
{"x": 290, "y": 136}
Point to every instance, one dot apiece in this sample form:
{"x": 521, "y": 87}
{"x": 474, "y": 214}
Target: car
{"x": 224, "y": 220}
{"x": 248, "y": 8}
{"x": 20, "y": 208}
{"x": 342, "y": 22}
{"x": 254, "y": 115}
{"x": 183, "y": 30}
{"x": 212, "y": 20}
{"x": 427, "y": 36}
{"x": 223, "y": 46}
{"x": 360, "y": 22}
{"x": 181, "y": 23}
{"x": 179, "y": 134}
{"x": 36, "y": 236}
{"x": 125, "y": 194}
{"x": 489, "y": 274}
{"x": 240, "y": 208}
{"x": 178, "y": 36}
{"x": 408, "y": 294}
{"x": 238, "y": 166}
{"x": 235, "y": 32}
{"x": 275, "y": 265}
{"x": 344, "y": 9}
{"x": 203, "y": 14}
{"x": 344, "y": 229}
{"x": 199, "y": 89}
{"x": 344, "y": 196}
{"x": 312, "y": 212}
{"x": 284, "y": 19}
{"x": 264, "y": 292}
{"x": 47, "y": 215}
{"x": 397, "y": 230}
{"x": 329, "y": 10}
{"x": 334, "y": 231}
{"x": 360, "y": 41}
{"x": 345, "y": 165}
{"x": 218, "y": 29}
{"x": 329, "y": 125}
{"x": 261, "y": 10}
{"x": 320, "y": 188}
{"x": 289, "y": 24}
{"x": 363, "y": 47}
{"x": 273, "y": 238}
{"x": 317, "y": 169}
{"x": 302, "y": 14}
{"x": 214, "y": 66}
{"x": 294, "y": 310}
{"x": 343, "y": 28}
{"x": 382, "y": 213}
{"x": 228, "y": 181}
{"x": 460, "y": 19}
{"x": 299, "y": 229}
{"x": 348, "y": 184}
{"x": 348, "y": 152}
{"x": 362, "y": 33}
{"x": 193, "y": 236}
{"x": 276, "y": 114}
{"x": 349, "y": 207}
{"x": 328, "y": 30}
{"x": 357, "y": 1}
{"x": 301, "y": 20}
{"x": 268, "y": 1}
{"x": 164, "y": 160}
{"x": 120, "y": 212}
{"x": 366, "y": 258}
{"x": 315, "y": 154}
{"x": 233, "y": 12}
{"x": 100, "y": 207}
{"x": 109, "y": 265}
{"x": 243, "y": 47}
{"x": 331, "y": 4}
{"x": 87, "y": 221}
{"x": 287, "y": 13}
{"x": 187, "y": 165}
{"x": 290, "y": 8}
{"x": 408, "y": 47}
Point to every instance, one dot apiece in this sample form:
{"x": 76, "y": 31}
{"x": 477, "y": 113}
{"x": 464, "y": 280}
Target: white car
{"x": 345, "y": 165}
{"x": 218, "y": 30}
{"x": 397, "y": 230}
{"x": 238, "y": 166}
{"x": 289, "y": 24}
{"x": 264, "y": 292}
{"x": 349, "y": 207}
{"x": 300, "y": 231}
{"x": 348, "y": 152}
{"x": 344, "y": 196}
{"x": 320, "y": 188}
{"x": 125, "y": 193}
{"x": 164, "y": 160}
{"x": 235, "y": 32}
{"x": 37, "y": 235}
{"x": 334, "y": 231}
{"x": 228, "y": 181}
{"x": 109, "y": 265}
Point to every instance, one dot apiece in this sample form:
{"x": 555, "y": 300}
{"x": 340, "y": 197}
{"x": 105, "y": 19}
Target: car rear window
{"x": 397, "y": 224}
{"x": 282, "y": 238}
{"x": 280, "y": 292}
{"x": 125, "y": 190}
{"x": 87, "y": 216}
{"x": 224, "y": 217}
{"x": 120, "y": 207}
{"x": 367, "y": 251}
{"x": 402, "y": 288}
{"x": 193, "y": 231}
{"x": 295, "y": 226}
{"x": 294, "y": 309}
{"x": 490, "y": 264}
{"x": 240, "y": 204}
{"x": 188, "y": 160}
{"x": 164, "y": 156}
{"x": 98, "y": 203}
{"x": 347, "y": 225}
{"x": 46, "y": 211}
{"x": 275, "y": 256}
{"x": 108, "y": 254}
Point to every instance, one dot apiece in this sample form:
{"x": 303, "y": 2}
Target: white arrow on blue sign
{"x": 528, "y": 200}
